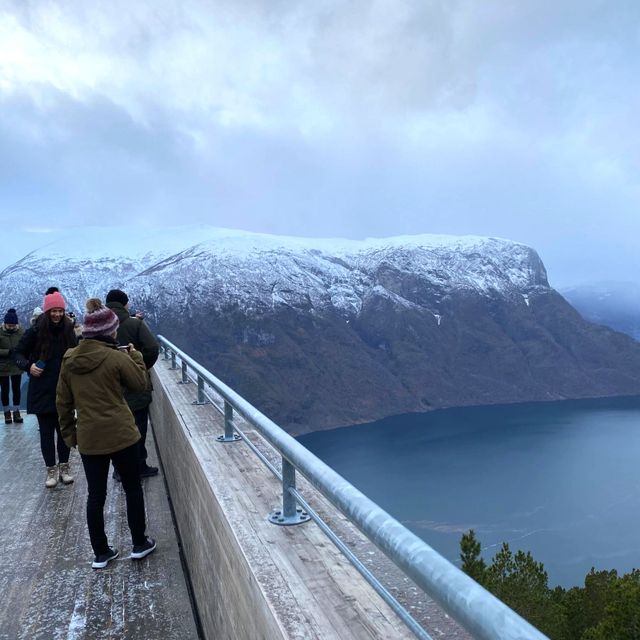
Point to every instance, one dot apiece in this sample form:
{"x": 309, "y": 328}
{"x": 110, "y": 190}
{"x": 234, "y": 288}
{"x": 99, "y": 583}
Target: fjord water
{"x": 559, "y": 479}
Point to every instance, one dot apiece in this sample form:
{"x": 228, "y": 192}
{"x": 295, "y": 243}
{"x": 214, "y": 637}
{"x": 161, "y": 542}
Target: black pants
{"x": 141, "y": 418}
{"x": 96, "y": 468}
{"x": 50, "y": 438}
{"x": 14, "y": 383}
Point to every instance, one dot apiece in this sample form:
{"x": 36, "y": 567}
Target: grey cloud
{"x": 335, "y": 119}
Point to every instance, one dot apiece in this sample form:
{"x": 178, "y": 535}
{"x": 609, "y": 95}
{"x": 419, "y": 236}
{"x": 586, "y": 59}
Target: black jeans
{"x": 50, "y": 437}
{"x": 14, "y": 382}
{"x": 96, "y": 468}
{"x": 141, "y": 418}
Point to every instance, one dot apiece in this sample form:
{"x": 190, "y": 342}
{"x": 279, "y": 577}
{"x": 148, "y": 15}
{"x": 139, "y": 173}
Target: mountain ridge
{"x": 321, "y": 333}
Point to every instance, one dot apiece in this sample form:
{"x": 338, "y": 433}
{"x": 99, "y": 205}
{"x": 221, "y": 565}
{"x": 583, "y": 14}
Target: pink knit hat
{"x": 53, "y": 301}
{"x": 99, "y": 320}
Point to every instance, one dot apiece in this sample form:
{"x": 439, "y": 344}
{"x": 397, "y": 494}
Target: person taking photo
{"x": 94, "y": 416}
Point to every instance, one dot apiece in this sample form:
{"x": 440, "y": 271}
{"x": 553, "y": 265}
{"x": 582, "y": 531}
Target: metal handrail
{"x": 480, "y": 612}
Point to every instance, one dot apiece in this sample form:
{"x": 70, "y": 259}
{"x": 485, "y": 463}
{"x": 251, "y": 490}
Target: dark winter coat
{"x": 41, "y": 395}
{"x": 136, "y": 332}
{"x": 92, "y": 380}
{"x": 8, "y": 342}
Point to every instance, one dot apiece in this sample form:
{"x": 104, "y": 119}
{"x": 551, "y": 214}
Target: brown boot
{"x": 7, "y": 417}
{"x": 17, "y": 418}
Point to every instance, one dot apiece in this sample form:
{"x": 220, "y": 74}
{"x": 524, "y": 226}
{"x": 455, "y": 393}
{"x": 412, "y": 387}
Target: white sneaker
{"x": 65, "y": 474}
{"x": 52, "y": 477}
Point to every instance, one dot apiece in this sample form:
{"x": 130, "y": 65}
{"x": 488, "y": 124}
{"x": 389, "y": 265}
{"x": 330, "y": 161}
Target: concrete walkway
{"x": 48, "y": 589}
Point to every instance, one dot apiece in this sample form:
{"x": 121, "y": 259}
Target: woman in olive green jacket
{"x": 91, "y": 383}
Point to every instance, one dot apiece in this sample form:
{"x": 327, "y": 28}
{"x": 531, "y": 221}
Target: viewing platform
{"x": 223, "y": 570}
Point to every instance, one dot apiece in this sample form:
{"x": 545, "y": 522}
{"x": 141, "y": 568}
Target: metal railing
{"x": 480, "y": 612}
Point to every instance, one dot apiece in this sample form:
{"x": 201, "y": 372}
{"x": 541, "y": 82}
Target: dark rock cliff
{"x": 319, "y": 371}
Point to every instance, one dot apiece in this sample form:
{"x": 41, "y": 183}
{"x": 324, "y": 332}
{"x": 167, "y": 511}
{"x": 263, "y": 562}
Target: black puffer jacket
{"x": 41, "y": 396}
{"x": 136, "y": 331}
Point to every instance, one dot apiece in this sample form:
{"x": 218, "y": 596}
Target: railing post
{"x": 173, "y": 361}
{"x": 185, "y": 377}
{"x": 166, "y": 352}
{"x": 290, "y": 513}
{"x": 202, "y": 399}
{"x": 229, "y": 434}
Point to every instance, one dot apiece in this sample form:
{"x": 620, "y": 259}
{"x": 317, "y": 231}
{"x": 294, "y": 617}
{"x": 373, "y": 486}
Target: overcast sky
{"x": 511, "y": 118}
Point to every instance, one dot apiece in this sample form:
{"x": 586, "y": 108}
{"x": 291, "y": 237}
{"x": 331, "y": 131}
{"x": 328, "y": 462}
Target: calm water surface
{"x": 561, "y": 480}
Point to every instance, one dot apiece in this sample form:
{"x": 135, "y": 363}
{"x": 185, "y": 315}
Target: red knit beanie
{"x": 53, "y": 301}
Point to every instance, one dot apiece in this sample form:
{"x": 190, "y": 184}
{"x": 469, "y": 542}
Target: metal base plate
{"x": 300, "y": 517}
{"x": 235, "y": 438}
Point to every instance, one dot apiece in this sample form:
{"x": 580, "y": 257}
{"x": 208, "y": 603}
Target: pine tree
{"x": 606, "y": 608}
{"x": 472, "y": 563}
{"x": 522, "y": 584}
{"x": 621, "y": 617}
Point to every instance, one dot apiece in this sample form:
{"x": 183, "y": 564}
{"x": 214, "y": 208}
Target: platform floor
{"x": 48, "y": 589}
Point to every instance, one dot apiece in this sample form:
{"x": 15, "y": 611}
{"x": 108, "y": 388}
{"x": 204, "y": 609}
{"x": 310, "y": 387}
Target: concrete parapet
{"x": 253, "y": 580}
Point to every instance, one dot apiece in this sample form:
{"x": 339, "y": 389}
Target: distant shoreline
{"x": 536, "y": 403}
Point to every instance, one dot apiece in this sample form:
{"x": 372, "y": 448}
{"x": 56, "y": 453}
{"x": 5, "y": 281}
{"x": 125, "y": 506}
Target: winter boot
{"x": 17, "y": 418}
{"x": 52, "y": 477}
{"x": 65, "y": 473}
{"x": 7, "y": 417}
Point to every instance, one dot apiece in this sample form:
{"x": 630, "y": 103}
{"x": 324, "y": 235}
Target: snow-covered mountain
{"x": 319, "y": 333}
{"x": 259, "y": 272}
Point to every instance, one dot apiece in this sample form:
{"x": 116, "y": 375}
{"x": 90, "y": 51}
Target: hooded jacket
{"x": 8, "y": 342}
{"x": 92, "y": 380}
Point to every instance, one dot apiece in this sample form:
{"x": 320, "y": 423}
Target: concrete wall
{"x": 229, "y": 599}
{"x": 253, "y": 580}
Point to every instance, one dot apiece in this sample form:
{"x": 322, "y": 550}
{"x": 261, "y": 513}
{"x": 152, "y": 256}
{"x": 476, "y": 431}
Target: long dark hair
{"x": 47, "y": 332}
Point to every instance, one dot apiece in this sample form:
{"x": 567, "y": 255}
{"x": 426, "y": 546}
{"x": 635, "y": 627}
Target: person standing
{"x": 10, "y": 373}
{"x": 92, "y": 380}
{"x": 133, "y": 330}
{"x": 40, "y": 352}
